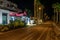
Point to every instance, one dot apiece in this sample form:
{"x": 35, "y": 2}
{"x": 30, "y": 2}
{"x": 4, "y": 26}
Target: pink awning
{"x": 19, "y": 14}
{"x": 12, "y": 13}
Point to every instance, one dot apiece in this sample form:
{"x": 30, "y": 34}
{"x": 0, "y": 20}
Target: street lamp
{"x": 40, "y": 15}
{"x": 39, "y": 8}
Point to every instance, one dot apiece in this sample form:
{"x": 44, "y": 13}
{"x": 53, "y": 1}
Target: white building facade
{"x": 4, "y": 16}
{"x": 6, "y": 7}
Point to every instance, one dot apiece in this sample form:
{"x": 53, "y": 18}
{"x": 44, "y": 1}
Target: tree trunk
{"x": 57, "y": 16}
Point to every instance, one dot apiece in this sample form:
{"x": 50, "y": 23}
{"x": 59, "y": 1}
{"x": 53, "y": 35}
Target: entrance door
{"x": 4, "y": 18}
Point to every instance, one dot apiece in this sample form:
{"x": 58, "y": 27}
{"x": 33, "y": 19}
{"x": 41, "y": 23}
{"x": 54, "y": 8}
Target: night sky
{"x": 24, "y": 4}
{"x": 29, "y": 4}
{"x": 48, "y": 6}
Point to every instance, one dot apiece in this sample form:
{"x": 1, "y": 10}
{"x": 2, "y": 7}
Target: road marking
{"x": 42, "y": 34}
{"x": 26, "y": 33}
{"x": 26, "y": 37}
{"x": 48, "y": 37}
{"x": 34, "y": 36}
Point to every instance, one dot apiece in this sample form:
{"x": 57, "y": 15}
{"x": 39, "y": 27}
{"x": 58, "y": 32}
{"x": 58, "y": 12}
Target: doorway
{"x": 4, "y": 18}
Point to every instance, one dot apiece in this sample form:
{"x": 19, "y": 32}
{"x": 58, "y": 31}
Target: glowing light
{"x": 39, "y": 8}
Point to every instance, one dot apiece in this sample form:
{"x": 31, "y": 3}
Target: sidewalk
{"x": 12, "y": 30}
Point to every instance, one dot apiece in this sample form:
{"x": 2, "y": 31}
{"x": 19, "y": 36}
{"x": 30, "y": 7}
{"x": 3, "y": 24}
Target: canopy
{"x": 17, "y": 14}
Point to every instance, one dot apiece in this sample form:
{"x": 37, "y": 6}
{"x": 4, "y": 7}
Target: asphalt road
{"x": 39, "y": 32}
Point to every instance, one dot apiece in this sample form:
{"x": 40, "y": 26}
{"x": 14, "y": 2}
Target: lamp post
{"x": 39, "y": 12}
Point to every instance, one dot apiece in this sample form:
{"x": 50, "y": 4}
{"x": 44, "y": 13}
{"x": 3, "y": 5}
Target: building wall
{"x": 0, "y": 17}
{"x": 4, "y": 11}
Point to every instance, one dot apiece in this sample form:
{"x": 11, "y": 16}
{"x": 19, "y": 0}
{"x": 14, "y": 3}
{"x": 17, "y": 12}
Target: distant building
{"x": 6, "y": 7}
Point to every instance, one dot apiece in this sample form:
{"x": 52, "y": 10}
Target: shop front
{"x": 16, "y": 15}
{"x": 4, "y": 16}
{"x": 12, "y": 16}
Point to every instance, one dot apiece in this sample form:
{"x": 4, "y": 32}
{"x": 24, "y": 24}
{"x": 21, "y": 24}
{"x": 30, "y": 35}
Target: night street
{"x": 40, "y": 32}
{"x": 29, "y": 19}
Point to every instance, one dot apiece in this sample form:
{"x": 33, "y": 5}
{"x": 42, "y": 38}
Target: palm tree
{"x": 56, "y": 7}
{"x": 29, "y": 12}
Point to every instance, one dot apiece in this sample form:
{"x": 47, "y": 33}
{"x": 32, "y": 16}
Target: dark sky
{"x": 48, "y": 6}
{"x": 24, "y": 4}
{"x": 29, "y": 4}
